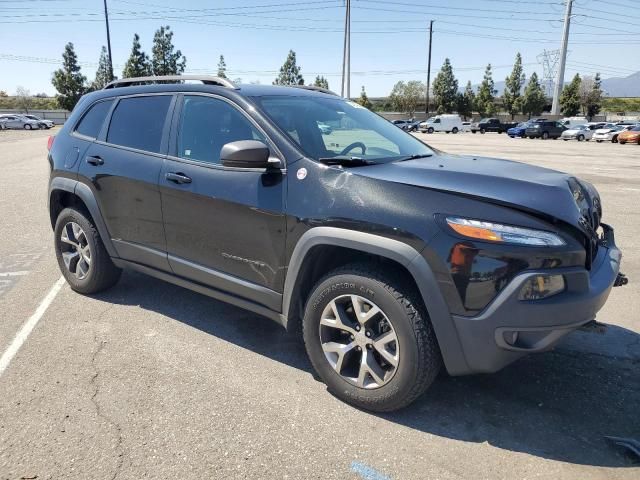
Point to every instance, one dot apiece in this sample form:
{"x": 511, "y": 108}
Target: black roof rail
{"x": 315, "y": 89}
{"x": 205, "y": 79}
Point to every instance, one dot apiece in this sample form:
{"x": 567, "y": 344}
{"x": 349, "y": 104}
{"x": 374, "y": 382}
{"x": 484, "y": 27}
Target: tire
{"x": 614, "y": 139}
{"x": 401, "y": 316}
{"x": 483, "y": 131}
{"x": 581, "y": 138}
{"x": 473, "y": 131}
{"x": 545, "y": 135}
{"x": 499, "y": 132}
{"x": 565, "y": 139}
{"x": 90, "y": 269}
{"x": 430, "y": 130}
{"x": 27, "y": 126}
{"x": 600, "y": 141}
{"x": 622, "y": 142}
{"x": 455, "y": 130}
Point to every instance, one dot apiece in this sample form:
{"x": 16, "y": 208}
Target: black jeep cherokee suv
{"x": 394, "y": 258}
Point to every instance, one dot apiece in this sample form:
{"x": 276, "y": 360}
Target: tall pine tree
{"x": 321, "y": 82}
{"x": 570, "y": 98}
{"x": 364, "y": 99}
{"x": 222, "y": 67}
{"x": 103, "y": 73}
{"x": 593, "y": 102}
{"x": 466, "y": 101}
{"x": 485, "y": 99}
{"x": 445, "y": 89}
{"x": 290, "y": 72}
{"x": 68, "y": 80}
{"x": 511, "y": 97}
{"x": 164, "y": 60}
{"x": 138, "y": 64}
{"x": 533, "y": 100}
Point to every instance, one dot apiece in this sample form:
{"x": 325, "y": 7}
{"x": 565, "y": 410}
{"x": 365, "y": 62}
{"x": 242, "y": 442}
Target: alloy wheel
{"x": 359, "y": 341}
{"x": 75, "y": 249}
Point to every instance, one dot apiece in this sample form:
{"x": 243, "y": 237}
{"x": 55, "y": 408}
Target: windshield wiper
{"x": 345, "y": 160}
{"x": 414, "y": 157}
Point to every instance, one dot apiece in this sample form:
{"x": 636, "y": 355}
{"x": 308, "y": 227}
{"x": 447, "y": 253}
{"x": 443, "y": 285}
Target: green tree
{"x": 164, "y": 60}
{"x": 570, "y": 98}
{"x": 511, "y": 97}
{"x": 591, "y": 95}
{"x": 533, "y": 100}
{"x": 445, "y": 89}
{"x": 103, "y": 73}
{"x": 466, "y": 101}
{"x": 290, "y": 72}
{"x": 138, "y": 64}
{"x": 68, "y": 80}
{"x": 321, "y": 82}
{"x": 222, "y": 67}
{"x": 364, "y": 99}
{"x": 485, "y": 104}
{"x": 406, "y": 96}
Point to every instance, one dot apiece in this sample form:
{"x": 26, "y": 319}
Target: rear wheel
{"x": 545, "y": 135}
{"x": 455, "y": 130}
{"x": 622, "y": 142}
{"x": 369, "y": 338}
{"x": 27, "y": 126}
{"x": 82, "y": 257}
{"x": 483, "y": 131}
{"x": 614, "y": 139}
{"x": 580, "y": 138}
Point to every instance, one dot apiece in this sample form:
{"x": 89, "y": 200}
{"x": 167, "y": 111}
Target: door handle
{"x": 95, "y": 161}
{"x": 178, "y": 177}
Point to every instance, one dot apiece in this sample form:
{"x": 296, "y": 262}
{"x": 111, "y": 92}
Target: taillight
{"x": 50, "y": 142}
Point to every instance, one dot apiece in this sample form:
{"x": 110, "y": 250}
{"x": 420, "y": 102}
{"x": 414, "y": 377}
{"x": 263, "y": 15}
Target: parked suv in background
{"x": 491, "y": 125}
{"x": 544, "y": 130}
{"x": 392, "y": 258}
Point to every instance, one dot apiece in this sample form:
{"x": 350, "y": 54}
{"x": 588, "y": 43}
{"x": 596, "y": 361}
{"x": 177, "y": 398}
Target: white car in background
{"x": 18, "y": 122}
{"x": 442, "y": 123}
{"x": 45, "y": 123}
{"x": 579, "y": 132}
{"x": 610, "y": 134}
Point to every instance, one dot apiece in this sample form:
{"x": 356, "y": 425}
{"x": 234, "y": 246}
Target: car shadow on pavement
{"x": 559, "y": 405}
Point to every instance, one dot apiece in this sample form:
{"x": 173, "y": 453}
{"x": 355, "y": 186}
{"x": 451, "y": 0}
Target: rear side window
{"x": 92, "y": 121}
{"x": 137, "y": 122}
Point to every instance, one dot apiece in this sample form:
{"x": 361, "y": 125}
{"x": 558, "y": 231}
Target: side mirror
{"x": 245, "y": 154}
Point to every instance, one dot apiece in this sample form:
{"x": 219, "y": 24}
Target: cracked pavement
{"x": 152, "y": 381}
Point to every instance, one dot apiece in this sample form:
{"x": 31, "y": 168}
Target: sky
{"x": 389, "y": 38}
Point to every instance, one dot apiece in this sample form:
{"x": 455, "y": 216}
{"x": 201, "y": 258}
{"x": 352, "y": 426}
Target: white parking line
{"x": 14, "y": 274}
{"x": 29, "y": 325}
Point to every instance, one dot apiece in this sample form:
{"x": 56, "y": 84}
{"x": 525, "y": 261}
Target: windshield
{"x": 355, "y": 131}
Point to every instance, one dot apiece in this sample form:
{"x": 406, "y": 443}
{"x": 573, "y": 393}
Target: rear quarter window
{"x": 91, "y": 123}
{"x": 137, "y": 122}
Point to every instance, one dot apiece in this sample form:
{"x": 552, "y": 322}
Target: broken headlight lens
{"x": 541, "y": 286}
{"x": 496, "y": 232}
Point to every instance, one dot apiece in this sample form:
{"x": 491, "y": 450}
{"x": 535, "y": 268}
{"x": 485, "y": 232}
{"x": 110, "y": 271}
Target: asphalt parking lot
{"x": 149, "y": 380}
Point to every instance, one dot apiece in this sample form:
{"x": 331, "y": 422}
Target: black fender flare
{"x": 84, "y": 193}
{"x": 399, "y": 252}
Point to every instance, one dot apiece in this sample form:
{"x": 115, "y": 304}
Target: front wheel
{"x": 483, "y": 131}
{"x": 82, "y": 257}
{"x": 455, "y": 130}
{"x": 581, "y": 138}
{"x": 622, "y": 142}
{"x": 369, "y": 338}
{"x": 430, "y": 130}
{"x": 545, "y": 135}
{"x": 27, "y": 126}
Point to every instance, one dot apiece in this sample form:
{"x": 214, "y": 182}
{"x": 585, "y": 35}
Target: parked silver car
{"x": 43, "y": 122}
{"x": 19, "y": 122}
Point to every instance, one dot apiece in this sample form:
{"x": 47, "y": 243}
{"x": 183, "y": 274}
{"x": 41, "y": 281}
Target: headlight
{"x": 495, "y": 232}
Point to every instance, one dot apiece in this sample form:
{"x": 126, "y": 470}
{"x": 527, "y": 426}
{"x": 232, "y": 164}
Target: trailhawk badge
{"x": 302, "y": 173}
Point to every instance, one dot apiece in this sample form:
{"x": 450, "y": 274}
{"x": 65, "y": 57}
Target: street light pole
{"x": 429, "y": 67}
{"x": 555, "y": 109}
{"x": 106, "y": 19}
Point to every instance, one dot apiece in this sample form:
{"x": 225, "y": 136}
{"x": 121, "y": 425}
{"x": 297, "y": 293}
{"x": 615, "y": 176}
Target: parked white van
{"x": 571, "y": 122}
{"x": 442, "y": 123}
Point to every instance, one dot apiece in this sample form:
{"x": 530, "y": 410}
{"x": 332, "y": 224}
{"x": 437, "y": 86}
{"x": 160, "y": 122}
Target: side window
{"x": 437, "y": 120}
{"x": 92, "y": 121}
{"x": 137, "y": 122}
{"x": 207, "y": 124}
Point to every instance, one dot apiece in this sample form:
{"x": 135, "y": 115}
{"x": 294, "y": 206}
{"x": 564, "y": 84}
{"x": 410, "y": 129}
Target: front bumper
{"x": 510, "y": 328}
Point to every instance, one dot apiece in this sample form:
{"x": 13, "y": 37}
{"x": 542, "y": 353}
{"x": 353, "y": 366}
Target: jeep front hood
{"x": 518, "y": 185}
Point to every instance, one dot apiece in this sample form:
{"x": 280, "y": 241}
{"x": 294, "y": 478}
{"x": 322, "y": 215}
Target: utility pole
{"x": 555, "y": 109}
{"x": 106, "y": 19}
{"x": 429, "y": 67}
{"x": 346, "y": 53}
